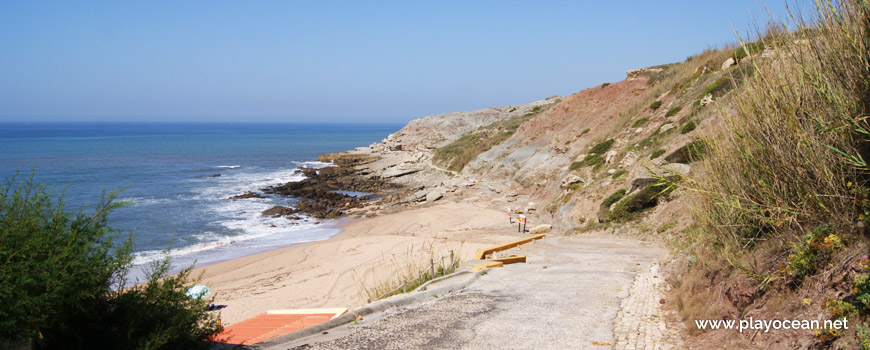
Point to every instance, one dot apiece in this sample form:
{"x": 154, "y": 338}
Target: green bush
{"x": 717, "y": 88}
{"x": 688, "y": 127}
{"x": 690, "y": 152}
{"x": 584, "y": 132}
{"x": 861, "y": 288}
{"x": 814, "y": 248}
{"x": 613, "y": 198}
{"x": 657, "y": 153}
{"x": 57, "y": 274}
{"x": 602, "y": 147}
{"x": 576, "y": 165}
{"x": 673, "y": 111}
{"x": 605, "y": 84}
{"x": 639, "y": 122}
{"x": 655, "y": 105}
{"x": 641, "y": 200}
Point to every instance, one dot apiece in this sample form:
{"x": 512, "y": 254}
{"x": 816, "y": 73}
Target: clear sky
{"x": 301, "y": 61}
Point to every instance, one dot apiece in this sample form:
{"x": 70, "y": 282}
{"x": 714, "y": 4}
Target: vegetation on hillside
{"x": 784, "y": 201}
{"x": 456, "y": 155}
{"x": 62, "y": 281}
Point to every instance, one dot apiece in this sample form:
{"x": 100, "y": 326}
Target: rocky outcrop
{"x": 570, "y": 180}
{"x": 317, "y": 192}
{"x": 248, "y": 195}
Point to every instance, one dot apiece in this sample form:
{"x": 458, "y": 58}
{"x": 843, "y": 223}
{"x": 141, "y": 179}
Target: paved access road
{"x": 572, "y": 294}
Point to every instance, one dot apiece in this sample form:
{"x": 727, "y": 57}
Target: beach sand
{"x": 335, "y": 272}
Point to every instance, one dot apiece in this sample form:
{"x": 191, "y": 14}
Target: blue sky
{"x": 335, "y": 61}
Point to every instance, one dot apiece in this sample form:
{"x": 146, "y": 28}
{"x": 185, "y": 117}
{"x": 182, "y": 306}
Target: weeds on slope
{"x": 784, "y": 200}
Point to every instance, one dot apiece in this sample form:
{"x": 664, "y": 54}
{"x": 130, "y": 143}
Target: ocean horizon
{"x": 178, "y": 177}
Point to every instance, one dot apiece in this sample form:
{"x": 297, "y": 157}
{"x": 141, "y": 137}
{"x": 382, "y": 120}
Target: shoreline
{"x": 334, "y": 272}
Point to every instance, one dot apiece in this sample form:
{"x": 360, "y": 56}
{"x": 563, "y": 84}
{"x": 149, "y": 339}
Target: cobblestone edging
{"x": 640, "y": 323}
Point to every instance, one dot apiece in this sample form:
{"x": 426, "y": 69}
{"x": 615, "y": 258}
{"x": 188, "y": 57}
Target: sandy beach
{"x": 335, "y": 272}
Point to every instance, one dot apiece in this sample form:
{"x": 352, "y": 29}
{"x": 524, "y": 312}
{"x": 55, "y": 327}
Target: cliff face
{"x": 584, "y": 161}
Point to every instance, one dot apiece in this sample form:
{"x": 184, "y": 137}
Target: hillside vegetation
{"x": 783, "y": 207}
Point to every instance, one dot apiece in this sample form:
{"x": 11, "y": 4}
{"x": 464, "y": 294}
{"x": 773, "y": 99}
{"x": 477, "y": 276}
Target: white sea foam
{"x": 247, "y": 228}
{"x": 136, "y": 200}
{"x": 229, "y": 166}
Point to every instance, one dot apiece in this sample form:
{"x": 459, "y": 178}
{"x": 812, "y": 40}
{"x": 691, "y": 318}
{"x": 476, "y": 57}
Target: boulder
{"x": 541, "y": 229}
{"x": 421, "y": 194}
{"x": 570, "y": 180}
{"x": 666, "y": 127}
{"x": 531, "y": 207}
{"x": 434, "y": 196}
{"x": 728, "y": 63}
{"x": 609, "y": 156}
{"x": 400, "y": 171}
{"x": 638, "y": 130}
{"x": 247, "y": 195}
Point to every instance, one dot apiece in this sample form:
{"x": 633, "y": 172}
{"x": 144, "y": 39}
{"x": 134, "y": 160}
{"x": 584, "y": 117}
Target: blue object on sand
{"x": 197, "y": 292}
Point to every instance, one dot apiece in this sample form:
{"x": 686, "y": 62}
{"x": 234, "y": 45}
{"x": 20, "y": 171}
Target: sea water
{"x": 178, "y": 177}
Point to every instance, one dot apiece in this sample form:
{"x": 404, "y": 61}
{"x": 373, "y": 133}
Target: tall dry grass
{"x": 411, "y": 270}
{"x": 791, "y": 155}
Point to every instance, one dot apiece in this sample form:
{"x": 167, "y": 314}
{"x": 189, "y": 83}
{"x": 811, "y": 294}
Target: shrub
{"x": 605, "y": 84}
{"x": 673, "y": 111}
{"x": 576, "y": 165}
{"x": 690, "y": 152}
{"x": 792, "y": 153}
{"x": 641, "y": 200}
{"x": 657, "y": 153}
{"x": 717, "y": 88}
{"x": 815, "y": 247}
{"x": 655, "y": 105}
{"x": 601, "y": 147}
{"x": 613, "y": 198}
{"x": 639, "y": 122}
{"x": 688, "y": 127}
{"x": 57, "y": 271}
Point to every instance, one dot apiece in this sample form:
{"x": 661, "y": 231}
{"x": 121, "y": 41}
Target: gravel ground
{"x": 567, "y": 296}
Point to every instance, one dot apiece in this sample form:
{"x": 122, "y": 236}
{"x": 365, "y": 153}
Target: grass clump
{"x": 601, "y": 147}
{"x": 584, "y": 132}
{"x": 657, "y": 153}
{"x": 640, "y": 122}
{"x": 655, "y": 105}
{"x": 673, "y": 111}
{"x": 594, "y": 157}
{"x": 688, "y": 127}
